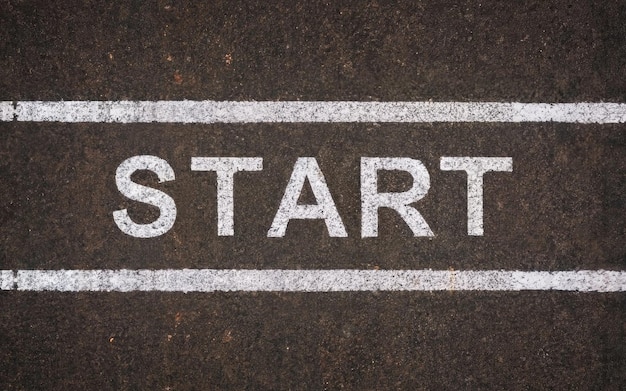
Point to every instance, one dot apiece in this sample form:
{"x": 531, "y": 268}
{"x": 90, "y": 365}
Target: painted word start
{"x": 306, "y": 169}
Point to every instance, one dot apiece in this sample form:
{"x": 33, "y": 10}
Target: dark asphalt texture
{"x": 562, "y": 207}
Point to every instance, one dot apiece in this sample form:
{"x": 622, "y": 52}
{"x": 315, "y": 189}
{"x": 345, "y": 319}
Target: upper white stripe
{"x": 342, "y": 280}
{"x": 203, "y": 112}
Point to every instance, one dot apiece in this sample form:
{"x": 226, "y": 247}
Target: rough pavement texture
{"x": 562, "y": 207}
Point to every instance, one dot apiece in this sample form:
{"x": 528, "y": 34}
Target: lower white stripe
{"x": 212, "y": 280}
{"x": 321, "y": 111}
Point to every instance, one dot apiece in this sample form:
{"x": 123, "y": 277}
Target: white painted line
{"x": 6, "y": 111}
{"x": 7, "y": 280}
{"x": 203, "y": 112}
{"x": 213, "y": 280}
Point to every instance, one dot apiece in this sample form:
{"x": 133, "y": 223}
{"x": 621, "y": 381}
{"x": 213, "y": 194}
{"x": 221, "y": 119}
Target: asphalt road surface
{"x": 561, "y": 208}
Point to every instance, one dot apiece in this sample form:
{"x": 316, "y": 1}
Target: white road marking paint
{"x": 306, "y": 168}
{"x": 187, "y": 111}
{"x": 7, "y": 280}
{"x": 145, "y": 194}
{"x": 226, "y": 167}
{"x": 6, "y": 111}
{"x": 213, "y": 280}
{"x": 372, "y": 200}
{"x": 475, "y": 167}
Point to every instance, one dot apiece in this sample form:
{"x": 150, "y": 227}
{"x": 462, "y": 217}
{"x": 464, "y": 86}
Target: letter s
{"x": 146, "y": 195}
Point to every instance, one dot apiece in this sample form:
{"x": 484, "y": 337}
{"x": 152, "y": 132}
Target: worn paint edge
{"x": 341, "y": 280}
{"x": 204, "y": 112}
